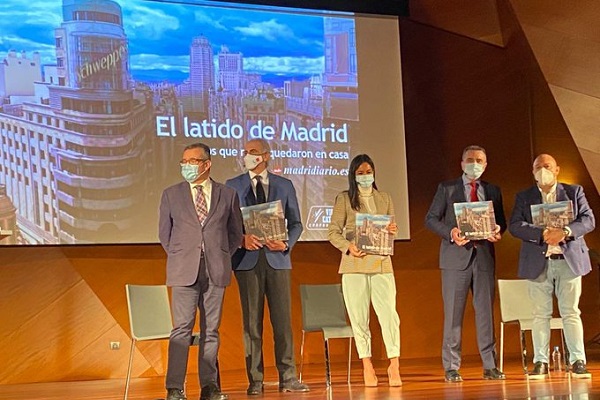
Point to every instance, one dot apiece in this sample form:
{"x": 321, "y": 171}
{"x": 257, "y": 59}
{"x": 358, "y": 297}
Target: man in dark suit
{"x": 264, "y": 270}
{"x": 554, "y": 259}
{"x": 467, "y": 265}
{"x": 198, "y": 270}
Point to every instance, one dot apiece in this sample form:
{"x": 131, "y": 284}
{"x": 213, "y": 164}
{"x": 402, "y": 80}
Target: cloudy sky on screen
{"x": 159, "y": 34}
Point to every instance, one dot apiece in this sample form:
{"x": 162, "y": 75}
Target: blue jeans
{"x": 557, "y": 278}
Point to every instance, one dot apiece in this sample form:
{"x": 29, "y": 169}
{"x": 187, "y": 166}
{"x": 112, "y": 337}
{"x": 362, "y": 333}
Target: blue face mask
{"x": 190, "y": 172}
{"x": 365, "y": 181}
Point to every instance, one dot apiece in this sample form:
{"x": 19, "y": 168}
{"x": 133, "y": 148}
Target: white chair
{"x": 149, "y": 318}
{"x": 323, "y": 310}
{"x": 517, "y": 307}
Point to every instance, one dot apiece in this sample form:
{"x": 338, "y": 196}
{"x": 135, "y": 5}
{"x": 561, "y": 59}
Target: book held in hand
{"x": 266, "y": 221}
{"x": 552, "y": 215}
{"x": 371, "y": 234}
{"x": 476, "y": 219}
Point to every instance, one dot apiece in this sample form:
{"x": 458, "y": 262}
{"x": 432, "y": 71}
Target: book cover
{"x": 552, "y": 215}
{"x": 266, "y": 221}
{"x": 371, "y": 234}
{"x": 476, "y": 219}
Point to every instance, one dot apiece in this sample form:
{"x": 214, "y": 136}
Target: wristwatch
{"x": 566, "y": 232}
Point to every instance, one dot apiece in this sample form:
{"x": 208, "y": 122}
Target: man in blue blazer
{"x": 554, "y": 259}
{"x": 467, "y": 265}
{"x": 200, "y": 228}
{"x": 263, "y": 270}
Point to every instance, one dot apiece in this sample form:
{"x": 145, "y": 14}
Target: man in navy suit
{"x": 554, "y": 259}
{"x": 263, "y": 270}
{"x": 198, "y": 270}
{"x": 467, "y": 265}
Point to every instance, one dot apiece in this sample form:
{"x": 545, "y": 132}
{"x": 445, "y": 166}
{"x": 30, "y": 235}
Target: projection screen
{"x": 99, "y": 98}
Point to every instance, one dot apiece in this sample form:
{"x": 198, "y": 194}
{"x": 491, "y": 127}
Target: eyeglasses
{"x": 253, "y": 153}
{"x": 192, "y": 161}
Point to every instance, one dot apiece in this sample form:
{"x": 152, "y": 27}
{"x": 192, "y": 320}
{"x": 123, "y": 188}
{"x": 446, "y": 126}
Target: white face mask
{"x": 473, "y": 170}
{"x": 251, "y": 161}
{"x": 365, "y": 181}
{"x": 544, "y": 177}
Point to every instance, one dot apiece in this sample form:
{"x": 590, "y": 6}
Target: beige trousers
{"x": 362, "y": 290}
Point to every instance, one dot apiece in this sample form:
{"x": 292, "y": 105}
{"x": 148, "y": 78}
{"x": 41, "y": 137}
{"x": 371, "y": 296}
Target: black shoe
{"x": 175, "y": 394}
{"x": 255, "y": 389}
{"x": 212, "y": 392}
{"x": 493, "y": 374}
{"x": 540, "y": 371}
{"x": 578, "y": 370}
{"x": 452, "y": 375}
{"x": 293, "y": 385}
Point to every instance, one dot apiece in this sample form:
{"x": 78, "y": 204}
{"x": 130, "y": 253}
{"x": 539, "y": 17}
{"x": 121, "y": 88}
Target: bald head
{"x": 543, "y": 159}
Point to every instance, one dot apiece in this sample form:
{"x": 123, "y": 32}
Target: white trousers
{"x": 362, "y": 290}
{"x": 560, "y": 280}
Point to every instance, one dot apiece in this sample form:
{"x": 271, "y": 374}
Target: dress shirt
{"x": 467, "y": 188}
{"x": 264, "y": 180}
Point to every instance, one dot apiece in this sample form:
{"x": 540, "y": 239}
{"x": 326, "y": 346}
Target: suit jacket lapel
{"x": 536, "y": 195}
{"x": 486, "y": 193}
{"x": 380, "y": 204}
{"x": 214, "y": 200}
{"x": 459, "y": 196}
{"x": 561, "y": 193}
{"x": 272, "y": 195}
{"x": 248, "y": 196}
{"x": 187, "y": 199}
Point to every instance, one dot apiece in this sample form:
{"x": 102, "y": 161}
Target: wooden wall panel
{"x": 475, "y": 19}
{"x": 564, "y": 38}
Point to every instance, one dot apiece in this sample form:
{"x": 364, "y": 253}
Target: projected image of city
{"x": 99, "y": 97}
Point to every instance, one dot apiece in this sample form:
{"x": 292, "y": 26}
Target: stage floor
{"x": 423, "y": 379}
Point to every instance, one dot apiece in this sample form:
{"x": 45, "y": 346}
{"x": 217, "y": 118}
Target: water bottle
{"x": 556, "y": 360}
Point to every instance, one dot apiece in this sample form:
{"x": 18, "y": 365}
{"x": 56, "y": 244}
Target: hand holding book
{"x": 354, "y": 251}
{"x": 457, "y": 237}
{"x": 496, "y": 235}
{"x": 252, "y": 242}
{"x": 276, "y": 245}
{"x": 553, "y": 236}
{"x": 392, "y": 228}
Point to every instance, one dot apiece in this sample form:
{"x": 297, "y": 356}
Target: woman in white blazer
{"x": 366, "y": 279}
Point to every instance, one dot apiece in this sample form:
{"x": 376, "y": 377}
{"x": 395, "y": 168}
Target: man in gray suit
{"x": 467, "y": 264}
{"x": 554, "y": 259}
{"x": 198, "y": 270}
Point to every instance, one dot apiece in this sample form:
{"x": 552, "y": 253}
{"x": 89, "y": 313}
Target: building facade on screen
{"x": 94, "y": 115}
{"x": 72, "y": 147}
